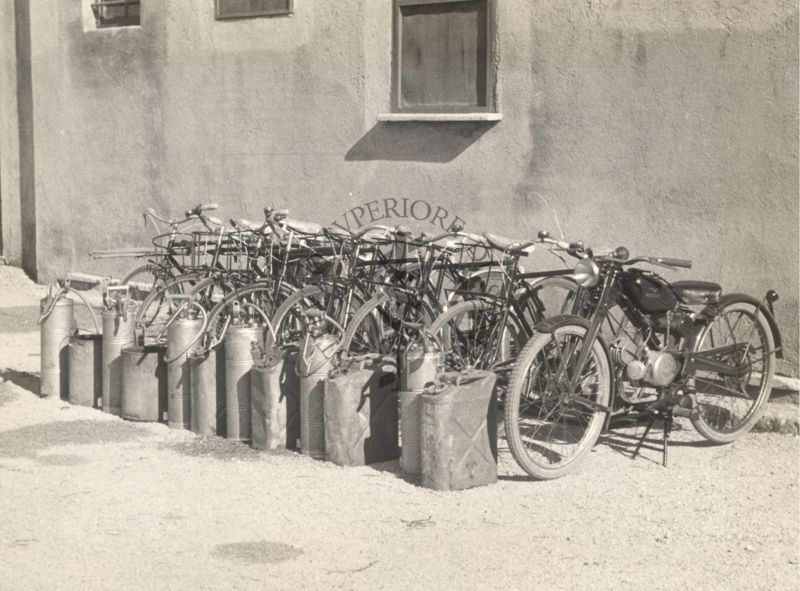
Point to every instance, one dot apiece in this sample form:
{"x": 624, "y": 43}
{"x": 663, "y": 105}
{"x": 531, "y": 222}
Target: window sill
{"x": 439, "y": 117}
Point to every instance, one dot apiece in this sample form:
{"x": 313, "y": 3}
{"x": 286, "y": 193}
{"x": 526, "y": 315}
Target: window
{"x": 443, "y": 55}
{"x": 116, "y": 13}
{"x": 250, "y": 8}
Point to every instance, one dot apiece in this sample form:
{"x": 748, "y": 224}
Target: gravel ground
{"x": 88, "y": 501}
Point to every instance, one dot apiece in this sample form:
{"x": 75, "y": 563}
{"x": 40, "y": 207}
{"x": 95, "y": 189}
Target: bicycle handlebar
{"x": 572, "y": 248}
{"x": 197, "y": 212}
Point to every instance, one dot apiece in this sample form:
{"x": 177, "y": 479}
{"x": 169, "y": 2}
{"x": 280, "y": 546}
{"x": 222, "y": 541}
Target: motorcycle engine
{"x": 658, "y": 368}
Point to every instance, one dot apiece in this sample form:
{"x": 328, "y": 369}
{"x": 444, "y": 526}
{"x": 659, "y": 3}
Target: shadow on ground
{"x": 218, "y": 448}
{"x": 24, "y": 380}
{"x": 29, "y": 441}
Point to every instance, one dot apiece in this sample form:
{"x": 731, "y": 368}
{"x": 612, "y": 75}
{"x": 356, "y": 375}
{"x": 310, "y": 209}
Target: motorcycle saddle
{"x": 697, "y": 292}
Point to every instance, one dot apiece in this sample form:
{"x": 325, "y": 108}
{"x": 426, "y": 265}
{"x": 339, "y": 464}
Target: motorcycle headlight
{"x": 586, "y": 273}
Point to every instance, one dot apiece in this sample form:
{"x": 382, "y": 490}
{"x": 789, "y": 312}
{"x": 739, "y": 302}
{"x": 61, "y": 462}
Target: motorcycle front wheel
{"x": 739, "y": 337}
{"x": 550, "y": 426}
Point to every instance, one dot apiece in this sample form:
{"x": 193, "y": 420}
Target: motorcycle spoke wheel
{"x": 729, "y": 406}
{"x": 551, "y": 426}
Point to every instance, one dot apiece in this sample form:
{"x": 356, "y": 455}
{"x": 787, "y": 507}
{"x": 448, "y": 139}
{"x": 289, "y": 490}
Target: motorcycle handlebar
{"x": 683, "y": 263}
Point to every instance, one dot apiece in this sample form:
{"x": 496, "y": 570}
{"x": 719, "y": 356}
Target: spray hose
{"x": 62, "y": 292}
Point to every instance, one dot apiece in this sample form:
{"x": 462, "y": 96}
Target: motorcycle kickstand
{"x": 644, "y": 436}
{"x": 668, "y": 420}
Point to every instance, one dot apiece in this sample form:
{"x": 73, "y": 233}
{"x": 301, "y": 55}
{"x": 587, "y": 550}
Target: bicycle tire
{"x": 260, "y": 294}
{"x": 576, "y": 416}
{"x": 153, "y": 309}
{"x": 377, "y": 328}
{"x": 288, "y": 322}
{"x": 468, "y": 335}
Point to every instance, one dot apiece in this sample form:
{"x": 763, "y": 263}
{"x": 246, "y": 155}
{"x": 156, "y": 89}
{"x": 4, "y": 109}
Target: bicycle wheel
{"x": 472, "y": 335}
{"x": 289, "y": 322}
{"x": 728, "y": 405}
{"x": 153, "y": 313}
{"x": 381, "y": 325}
{"x": 256, "y": 300}
{"x": 549, "y": 427}
{"x": 555, "y": 296}
{"x": 142, "y": 281}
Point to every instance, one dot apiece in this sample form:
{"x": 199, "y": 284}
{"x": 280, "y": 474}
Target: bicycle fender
{"x": 744, "y": 298}
{"x": 550, "y": 324}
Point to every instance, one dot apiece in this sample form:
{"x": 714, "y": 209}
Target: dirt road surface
{"x": 88, "y": 501}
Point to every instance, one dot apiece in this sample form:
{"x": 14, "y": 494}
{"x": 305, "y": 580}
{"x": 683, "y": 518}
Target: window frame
{"x": 288, "y": 11}
{"x": 397, "y": 30}
{"x": 125, "y": 21}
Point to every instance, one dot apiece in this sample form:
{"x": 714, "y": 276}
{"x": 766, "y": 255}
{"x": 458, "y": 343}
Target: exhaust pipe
{"x": 686, "y": 407}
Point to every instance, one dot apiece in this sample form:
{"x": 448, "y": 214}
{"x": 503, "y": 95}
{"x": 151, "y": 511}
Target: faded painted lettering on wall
{"x": 391, "y": 210}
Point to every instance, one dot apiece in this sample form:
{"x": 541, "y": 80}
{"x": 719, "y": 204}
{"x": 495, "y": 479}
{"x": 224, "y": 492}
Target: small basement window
{"x": 443, "y": 56}
{"x": 251, "y": 8}
{"x": 116, "y": 13}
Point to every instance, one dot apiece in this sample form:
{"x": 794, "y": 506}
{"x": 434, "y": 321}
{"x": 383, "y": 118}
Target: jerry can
{"x": 118, "y": 331}
{"x": 86, "y": 370}
{"x": 267, "y": 401}
{"x": 314, "y": 363}
{"x": 290, "y": 390}
{"x": 238, "y": 363}
{"x": 207, "y": 404}
{"x": 420, "y": 364}
{"x": 361, "y": 412}
{"x": 459, "y": 431}
{"x": 144, "y": 383}
{"x": 57, "y": 325}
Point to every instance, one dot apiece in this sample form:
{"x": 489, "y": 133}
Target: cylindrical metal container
{"x": 208, "y": 393}
{"x": 267, "y": 404}
{"x": 238, "y": 362}
{"x": 314, "y": 363}
{"x": 361, "y": 413}
{"x": 144, "y": 383}
{"x": 458, "y": 423}
{"x": 56, "y": 330}
{"x": 86, "y": 370}
{"x": 419, "y": 367}
{"x": 181, "y": 341}
{"x": 117, "y": 333}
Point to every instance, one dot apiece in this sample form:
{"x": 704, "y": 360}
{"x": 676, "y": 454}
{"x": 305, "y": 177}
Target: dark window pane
{"x": 244, "y": 8}
{"x": 116, "y": 13}
{"x": 443, "y": 53}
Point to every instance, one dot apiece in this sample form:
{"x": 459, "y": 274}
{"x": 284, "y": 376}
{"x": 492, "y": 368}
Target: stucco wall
{"x": 668, "y": 127}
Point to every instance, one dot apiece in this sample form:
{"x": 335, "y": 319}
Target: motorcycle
{"x": 638, "y": 345}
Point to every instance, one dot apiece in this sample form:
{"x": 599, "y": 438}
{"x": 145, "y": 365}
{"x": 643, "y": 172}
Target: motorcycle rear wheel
{"x": 728, "y": 407}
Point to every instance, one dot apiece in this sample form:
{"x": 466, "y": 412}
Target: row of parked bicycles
{"x": 574, "y": 346}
